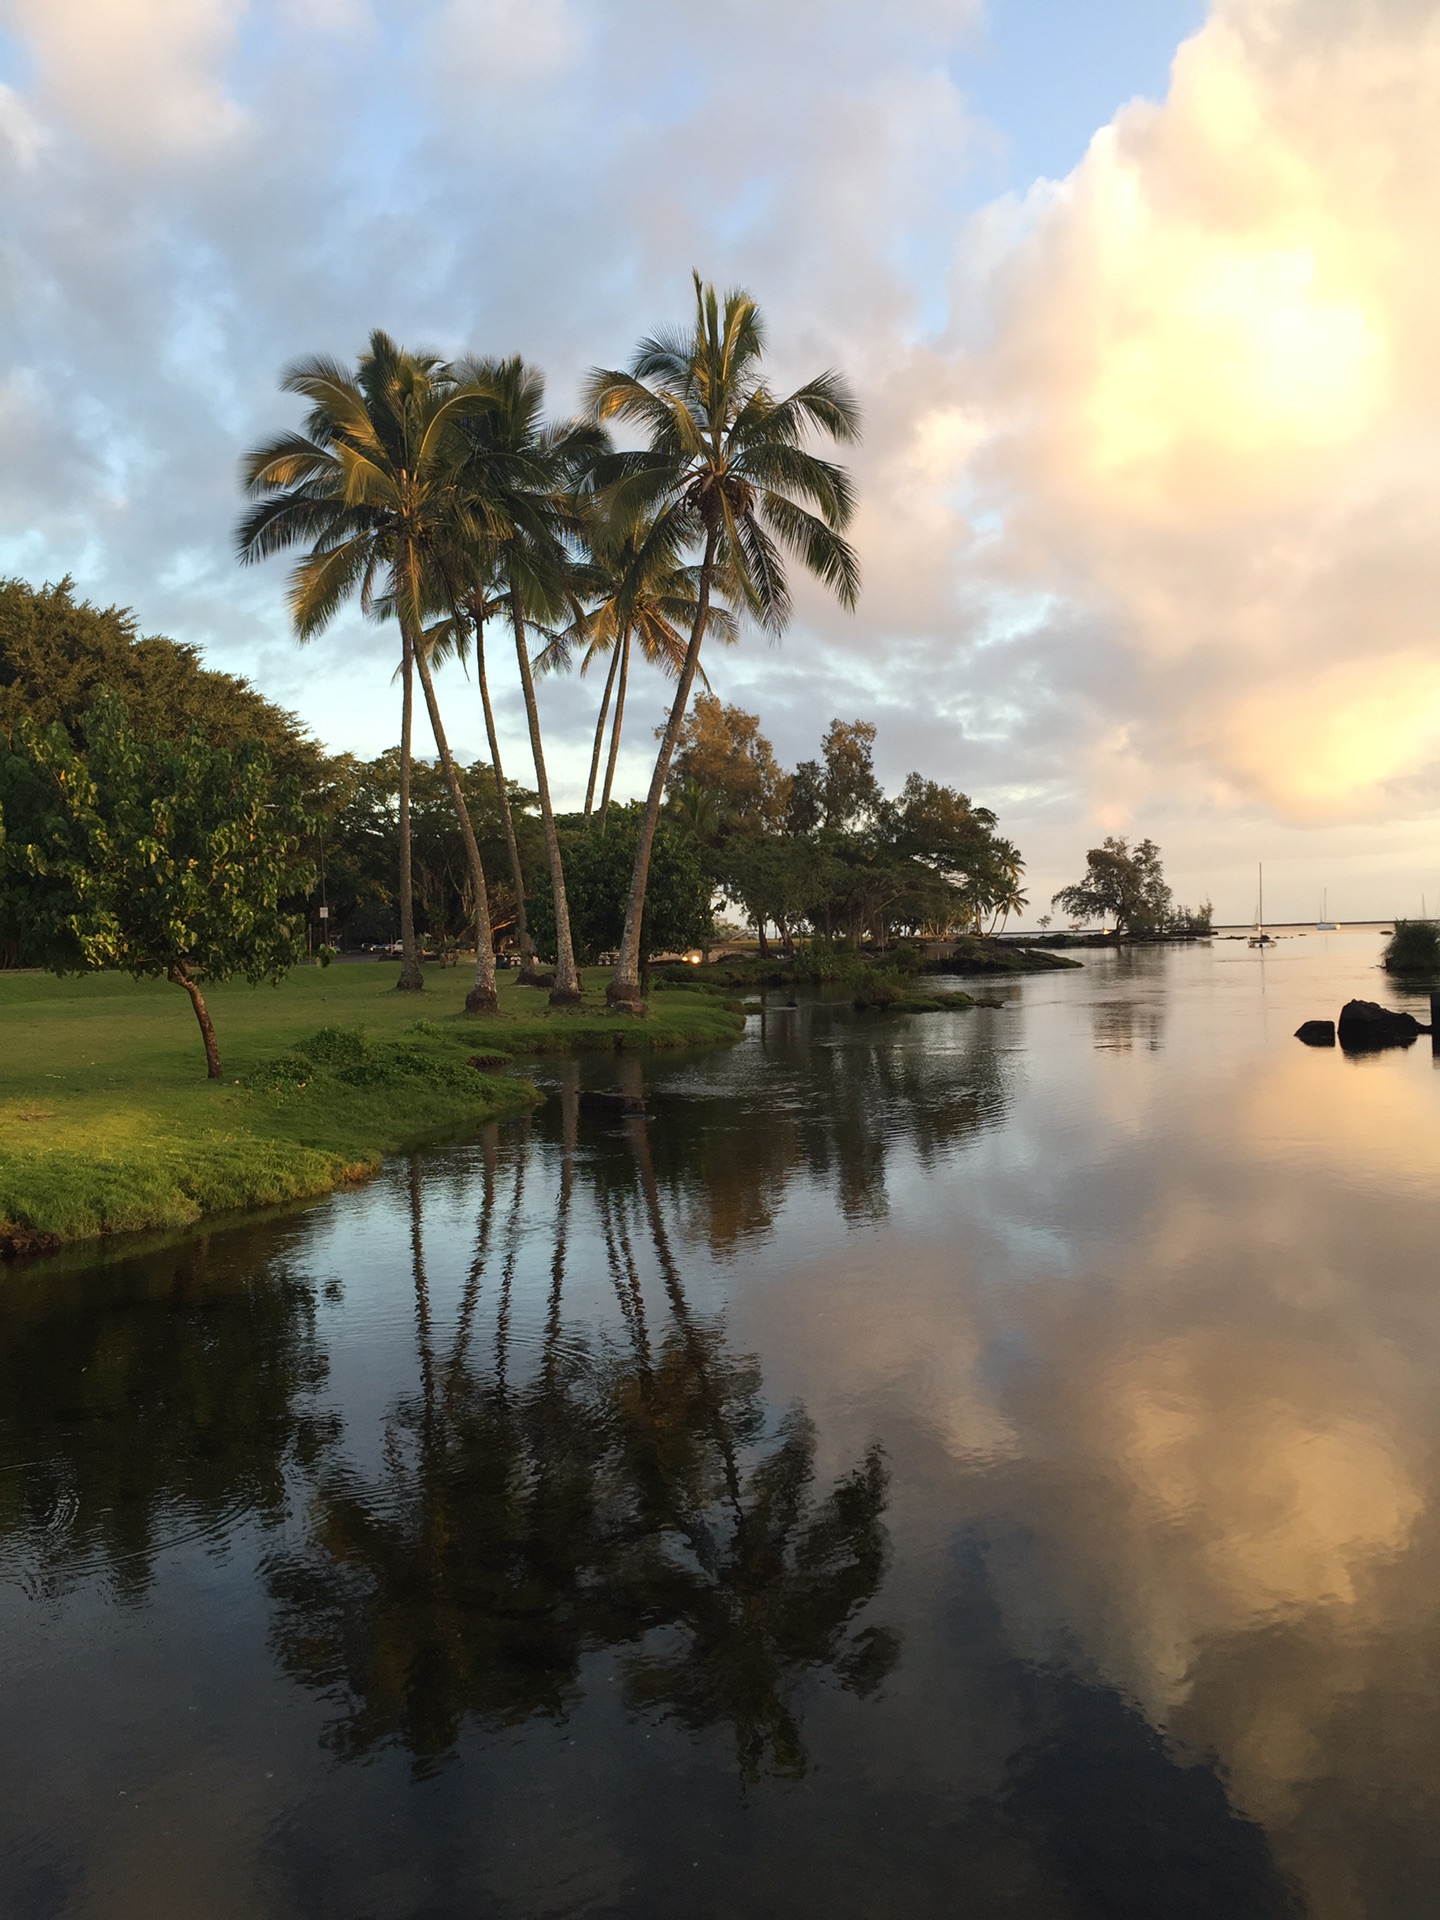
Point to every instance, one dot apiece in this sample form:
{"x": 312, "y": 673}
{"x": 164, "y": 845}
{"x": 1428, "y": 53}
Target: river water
{"x": 973, "y": 1463}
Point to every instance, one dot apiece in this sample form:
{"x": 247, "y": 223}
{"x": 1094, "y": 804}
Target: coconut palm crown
{"x": 725, "y": 470}
{"x": 633, "y": 593}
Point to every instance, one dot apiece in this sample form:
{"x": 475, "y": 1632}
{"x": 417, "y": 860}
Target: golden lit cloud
{"x": 1215, "y": 410}
{"x": 139, "y": 76}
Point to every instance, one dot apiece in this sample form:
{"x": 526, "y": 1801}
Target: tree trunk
{"x": 624, "y": 989}
{"x": 481, "y": 997}
{"x": 567, "y": 981}
{"x": 600, "y": 730}
{"x": 522, "y": 930}
{"x": 202, "y": 1014}
{"x": 411, "y": 979}
{"x": 624, "y": 651}
{"x": 764, "y": 944}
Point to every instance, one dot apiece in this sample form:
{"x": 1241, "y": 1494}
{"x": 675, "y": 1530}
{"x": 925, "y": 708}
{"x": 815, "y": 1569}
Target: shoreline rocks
{"x": 1316, "y": 1033}
{"x": 1365, "y": 1026}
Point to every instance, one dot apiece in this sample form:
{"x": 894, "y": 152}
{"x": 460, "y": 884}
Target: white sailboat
{"x": 1325, "y": 924}
{"x": 1260, "y": 938}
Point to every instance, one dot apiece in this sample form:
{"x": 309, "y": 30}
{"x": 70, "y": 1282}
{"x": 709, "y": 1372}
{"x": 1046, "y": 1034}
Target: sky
{"x": 1139, "y": 297}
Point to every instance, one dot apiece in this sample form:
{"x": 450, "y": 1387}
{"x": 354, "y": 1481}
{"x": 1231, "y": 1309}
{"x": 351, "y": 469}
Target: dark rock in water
{"x": 1365, "y": 1026}
{"x": 1317, "y": 1033}
{"x": 593, "y": 1102}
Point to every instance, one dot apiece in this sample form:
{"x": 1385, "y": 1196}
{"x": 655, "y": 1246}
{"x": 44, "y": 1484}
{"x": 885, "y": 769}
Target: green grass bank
{"x": 108, "y": 1124}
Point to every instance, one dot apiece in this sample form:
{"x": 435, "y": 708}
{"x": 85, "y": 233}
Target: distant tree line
{"x": 821, "y": 850}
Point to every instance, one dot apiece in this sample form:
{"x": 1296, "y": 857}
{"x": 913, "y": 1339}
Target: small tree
{"x": 1122, "y": 883}
{"x": 163, "y": 859}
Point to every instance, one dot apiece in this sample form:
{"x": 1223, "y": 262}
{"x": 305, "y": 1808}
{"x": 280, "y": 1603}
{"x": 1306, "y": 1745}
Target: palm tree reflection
{"x": 630, "y": 1494}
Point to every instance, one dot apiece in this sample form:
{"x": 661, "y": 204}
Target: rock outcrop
{"x": 1365, "y": 1026}
{"x": 1317, "y": 1033}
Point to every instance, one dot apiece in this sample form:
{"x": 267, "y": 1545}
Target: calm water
{"x": 983, "y": 1463}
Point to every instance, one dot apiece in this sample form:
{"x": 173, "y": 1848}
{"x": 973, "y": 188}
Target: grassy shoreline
{"x": 108, "y": 1124}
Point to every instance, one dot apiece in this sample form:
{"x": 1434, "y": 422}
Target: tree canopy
{"x": 57, "y": 651}
{"x": 677, "y": 902}
{"x": 165, "y": 859}
{"x": 823, "y": 846}
{"x": 1121, "y": 883}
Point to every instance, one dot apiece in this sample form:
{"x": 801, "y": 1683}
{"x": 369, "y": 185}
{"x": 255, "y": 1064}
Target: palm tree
{"x": 725, "y": 469}
{"x": 520, "y": 480}
{"x": 472, "y": 602}
{"x": 636, "y": 594}
{"x": 370, "y": 487}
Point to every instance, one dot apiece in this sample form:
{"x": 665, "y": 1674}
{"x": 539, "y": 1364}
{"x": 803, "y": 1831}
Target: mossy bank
{"x": 108, "y": 1124}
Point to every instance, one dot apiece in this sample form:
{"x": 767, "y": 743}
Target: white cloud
{"x": 140, "y": 78}
{"x": 1214, "y": 411}
{"x": 1148, "y": 522}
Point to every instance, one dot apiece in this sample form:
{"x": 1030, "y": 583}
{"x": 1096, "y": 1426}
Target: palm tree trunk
{"x": 411, "y": 979}
{"x": 624, "y": 989}
{"x": 522, "y": 930}
{"x": 567, "y": 981}
{"x": 600, "y": 730}
{"x": 481, "y": 997}
{"x": 615, "y": 730}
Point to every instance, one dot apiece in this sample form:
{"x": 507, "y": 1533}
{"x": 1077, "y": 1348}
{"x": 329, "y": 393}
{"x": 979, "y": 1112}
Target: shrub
{"x": 334, "y": 1046}
{"x": 1414, "y": 947}
{"x": 880, "y": 987}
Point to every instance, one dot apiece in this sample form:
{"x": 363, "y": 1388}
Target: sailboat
{"x": 1260, "y": 938}
{"x": 1325, "y": 924}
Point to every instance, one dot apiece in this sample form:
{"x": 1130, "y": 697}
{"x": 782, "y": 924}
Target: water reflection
{"x": 634, "y": 1494}
{"x": 152, "y": 1402}
{"x": 571, "y": 1522}
{"x": 829, "y": 1103}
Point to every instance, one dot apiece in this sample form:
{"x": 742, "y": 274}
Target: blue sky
{"x": 1046, "y": 74}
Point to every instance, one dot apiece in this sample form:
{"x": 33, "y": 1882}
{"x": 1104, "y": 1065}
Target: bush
{"x": 1414, "y": 947}
{"x": 880, "y": 987}
{"x": 334, "y": 1046}
{"x": 325, "y": 953}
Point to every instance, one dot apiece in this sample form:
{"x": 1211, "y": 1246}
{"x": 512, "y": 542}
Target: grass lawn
{"x": 108, "y": 1123}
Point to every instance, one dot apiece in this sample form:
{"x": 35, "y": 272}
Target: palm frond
{"x": 818, "y": 545}
{"x": 792, "y": 470}
{"x": 758, "y": 561}
{"x": 321, "y": 582}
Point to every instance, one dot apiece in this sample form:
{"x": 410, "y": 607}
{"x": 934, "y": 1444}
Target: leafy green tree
{"x": 56, "y": 652}
{"x": 851, "y": 794}
{"x": 774, "y": 877}
{"x": 370, "y": 487}
{"x": 677, "y": 911}
{"x": 1121, "y": 883}
{"x": 721, "y": 751}
{"x": 167, "y": 860}
{"x": 724, "y": 471}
